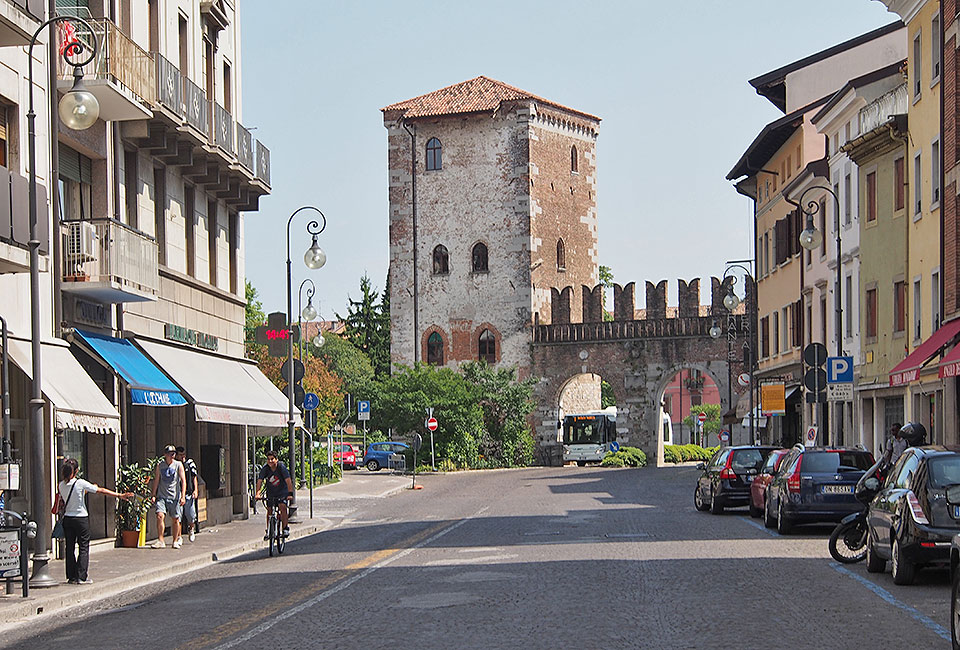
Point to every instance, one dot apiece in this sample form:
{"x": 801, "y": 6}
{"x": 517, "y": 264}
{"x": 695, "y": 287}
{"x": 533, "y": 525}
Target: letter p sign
{"x": 840, "y": 370}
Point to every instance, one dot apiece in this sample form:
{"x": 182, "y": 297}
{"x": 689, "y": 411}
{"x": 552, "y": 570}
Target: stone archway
{"x": 716, "y": 370}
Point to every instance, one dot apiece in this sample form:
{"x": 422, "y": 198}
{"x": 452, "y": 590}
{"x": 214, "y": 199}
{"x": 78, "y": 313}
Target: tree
{"x": 350, "y": 364}
{"x": 253, "y": 318}
{"x": 607, "y": 398}
{"x": 606, "y": 279}
{"x": 506, "y": 403}
{"x": 368, "y": 327}
{"x": 712, "y": 424}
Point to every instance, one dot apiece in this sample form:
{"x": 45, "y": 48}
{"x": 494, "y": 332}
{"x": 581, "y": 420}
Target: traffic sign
{"x": 310, "y": 419}
{"x": 417, "y": 442}
{"x": 724, "y": 436}
{"x": 432, "y": 423}
{"x": 363, "y": 410}
{"x": 298, "y": 395}
{"x": 815, "y": 379}
{"x": 311, "y": 401}
{"x": 840, "y": 392}
{"x": 840, "y": 370}
{"x": 811, "y": 437}
{"x": 297, "y": 371}
{"x": 702, "y": 418}
{"x": 815, "y": 354}
{"x": 614, "y": 446}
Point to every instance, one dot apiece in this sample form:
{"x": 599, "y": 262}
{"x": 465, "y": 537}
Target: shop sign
{"x": 773, "y": 399}
{"x": 9, "y": 476}
{"x": 9, "y": 553}
{"x": 91, "y": 313}
{"x": 190, "y": 337}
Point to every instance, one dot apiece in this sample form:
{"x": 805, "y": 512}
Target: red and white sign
{"x": 702, "y": 418}
{"x": 743, "y": 379}
{"x": 432, "y": 423}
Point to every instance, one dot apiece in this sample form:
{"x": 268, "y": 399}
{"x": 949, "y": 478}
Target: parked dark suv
{"x": 725, "y": 482}
{"x": 912, "y": 519}
{"x": 815, "y": 484}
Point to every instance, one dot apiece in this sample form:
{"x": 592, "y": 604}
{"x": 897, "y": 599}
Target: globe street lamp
{"x": 314, "y": 258}
{"x": 811, "y": 239}
{"x": 79, "y": 110}
{"x": 731, "y": 302}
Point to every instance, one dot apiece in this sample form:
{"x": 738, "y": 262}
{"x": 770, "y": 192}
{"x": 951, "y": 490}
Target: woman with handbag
{"x": 72, "y": 510}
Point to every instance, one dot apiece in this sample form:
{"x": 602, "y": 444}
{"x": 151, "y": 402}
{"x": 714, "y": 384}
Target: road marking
{"x": 758, "y": 526}
{"x": 335, "y": 582}
{"x": 915, "y": 614}
{"x": 457, "y": 561}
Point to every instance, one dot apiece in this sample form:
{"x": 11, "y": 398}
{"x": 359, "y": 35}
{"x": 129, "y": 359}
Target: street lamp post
{"x": 731, "y": 302}
{"x": 314, "y": 258}
{"x": 811, "y": 239}
{"x": 307, "y": 313}
{"x": 79, "y": 110}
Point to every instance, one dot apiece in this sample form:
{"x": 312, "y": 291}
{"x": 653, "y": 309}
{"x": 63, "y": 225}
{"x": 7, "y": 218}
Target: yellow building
{"x": 916, "y": 294}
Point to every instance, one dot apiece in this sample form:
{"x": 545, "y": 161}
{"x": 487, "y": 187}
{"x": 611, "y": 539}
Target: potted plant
{"x": 133, "y": 478}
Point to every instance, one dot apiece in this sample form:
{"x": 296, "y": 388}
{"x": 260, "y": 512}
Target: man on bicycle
{"x": 279, "y": 488}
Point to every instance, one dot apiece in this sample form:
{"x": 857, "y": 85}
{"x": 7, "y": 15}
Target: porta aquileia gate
{"x": 637, "y": 356}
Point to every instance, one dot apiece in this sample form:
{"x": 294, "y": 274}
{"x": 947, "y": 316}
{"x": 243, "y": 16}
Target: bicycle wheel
{"x": 272, "y": 533}
{"x": 281, "y": 540}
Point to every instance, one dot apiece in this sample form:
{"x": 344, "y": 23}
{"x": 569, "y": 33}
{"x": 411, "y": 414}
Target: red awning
{"x": 950, "y": 366}
{"x": 909, "y": 369}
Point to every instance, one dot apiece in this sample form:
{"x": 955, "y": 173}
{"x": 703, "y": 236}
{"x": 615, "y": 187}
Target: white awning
{"x": 77, "y": 401}
{"x": 228, "y": 391}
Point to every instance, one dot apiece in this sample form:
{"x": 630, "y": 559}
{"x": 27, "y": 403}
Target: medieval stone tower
{"x": 493, "y": 195}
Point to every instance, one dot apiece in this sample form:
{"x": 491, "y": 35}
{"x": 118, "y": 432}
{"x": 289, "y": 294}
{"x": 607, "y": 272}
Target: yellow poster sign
{"x": 773, "y": 399}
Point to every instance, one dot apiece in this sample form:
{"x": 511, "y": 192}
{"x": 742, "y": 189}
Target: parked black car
{"x": 725, "y": 482}
{"x": 815, "y": 484}
{"x": 910, "y": 520}
{"x": 954, "y": 579}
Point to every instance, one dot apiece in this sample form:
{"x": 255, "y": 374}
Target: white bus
{"x": 587, "y": 436}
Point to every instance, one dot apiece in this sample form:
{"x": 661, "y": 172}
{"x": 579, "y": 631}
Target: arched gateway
{"x": 637, "y": 356}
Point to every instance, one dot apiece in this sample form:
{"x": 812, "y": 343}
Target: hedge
{"x": 685, "y": 453}
{"x": 626, "y": 457}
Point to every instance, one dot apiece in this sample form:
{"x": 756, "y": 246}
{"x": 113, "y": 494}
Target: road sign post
{"x": 810, "y": 439}
{"x": 840, "y": 379}
{"x": 432, "y": 425}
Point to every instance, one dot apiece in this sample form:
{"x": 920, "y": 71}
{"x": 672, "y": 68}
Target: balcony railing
{"x": 222, "y": 127}
{"x": 244, "y": 147}
{"x": 195, "y": 106}
{"x": 263, "y": 163}
{"x": 169, "y": 89}
{"x": 119, "y": 60}
{"x": 883, "y": 107}
{"x": 109, "y": 259}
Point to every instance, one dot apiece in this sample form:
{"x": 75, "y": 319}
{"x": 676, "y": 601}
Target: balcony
{"x": 880, "y": 110}
{"x": 109, "y": 262}
{"x": 15, "y": 222}
{"x": 18, "y": 20}
{"x": 122, "y": 76}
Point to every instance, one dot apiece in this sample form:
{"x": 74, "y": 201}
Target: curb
{"x": 34, "y": 607}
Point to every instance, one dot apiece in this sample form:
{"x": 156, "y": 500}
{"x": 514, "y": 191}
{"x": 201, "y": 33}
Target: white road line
{"x": 293, "y": 611}
{"x": 915, "y": 614}
{"x": 758, "y": 526}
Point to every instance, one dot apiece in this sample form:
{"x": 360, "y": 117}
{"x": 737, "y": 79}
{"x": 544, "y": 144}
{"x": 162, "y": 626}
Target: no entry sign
{"x": 432, "y": 423}
{"x": 702, "y": 418}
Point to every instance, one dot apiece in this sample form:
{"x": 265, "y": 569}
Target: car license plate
{"x": 956, "y": 512}
{"x": 838, "y": 489}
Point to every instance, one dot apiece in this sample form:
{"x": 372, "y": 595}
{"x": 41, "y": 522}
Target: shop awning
{"x": 222, "y": 390}
{"x": 950, "y": 366}
{"x": 77, "y": 401}
{"x": 148, "y": 385}
{"x": 909, "y": 369}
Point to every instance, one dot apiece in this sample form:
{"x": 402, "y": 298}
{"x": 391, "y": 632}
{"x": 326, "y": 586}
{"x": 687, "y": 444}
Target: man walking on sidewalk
{"x": 169, "y": 495}
{"x": 190, "y": 504}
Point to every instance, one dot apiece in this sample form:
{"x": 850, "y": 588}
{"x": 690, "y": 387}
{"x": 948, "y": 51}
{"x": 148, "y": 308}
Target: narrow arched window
{"x": 480, "y": 258}
{"x": 488, "y": 347}
{"x": 574, "y": 160}
{"x": 434, "y": 154}
{"x": 561, "y": 256}
{"x": 435, "y": 349}
{"x": 441, "y": 260}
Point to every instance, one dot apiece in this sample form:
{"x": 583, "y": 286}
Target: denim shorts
{"x": 169, "y": 507}
{"x": 189, "y": 512}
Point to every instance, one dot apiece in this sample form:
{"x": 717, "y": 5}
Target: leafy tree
{"x": 606, "y": 279}
{"x": 368, "y": 328}
{"x": 607, "y": 398}
{"x": 712, "y": 424}
{"x": 254, "y": 316}
{"x": 506, "y": 403}
{"x": 348, "y": 363}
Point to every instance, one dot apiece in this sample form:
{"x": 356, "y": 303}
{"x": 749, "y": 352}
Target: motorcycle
{"x": 848, "y": 541}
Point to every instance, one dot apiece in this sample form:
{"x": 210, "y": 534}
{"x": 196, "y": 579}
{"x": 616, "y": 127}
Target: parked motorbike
{"x": 848, "y": 541}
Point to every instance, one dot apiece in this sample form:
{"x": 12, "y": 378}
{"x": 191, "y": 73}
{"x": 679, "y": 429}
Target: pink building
{"x": 687, "y": 388}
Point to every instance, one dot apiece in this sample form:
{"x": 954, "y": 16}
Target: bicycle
{"x": 275, "y": 535}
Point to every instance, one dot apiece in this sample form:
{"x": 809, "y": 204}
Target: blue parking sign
{"x": 840, "y": 370}
{"x": 363, "y": 409}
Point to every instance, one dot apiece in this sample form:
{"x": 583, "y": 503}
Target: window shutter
{"x": 74, "y": 165}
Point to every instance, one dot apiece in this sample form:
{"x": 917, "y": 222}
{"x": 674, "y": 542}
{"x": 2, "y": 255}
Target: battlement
{"x": 624, "y": 302}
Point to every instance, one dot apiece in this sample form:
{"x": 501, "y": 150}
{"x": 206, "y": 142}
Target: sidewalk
{"x": 115, "y": 570}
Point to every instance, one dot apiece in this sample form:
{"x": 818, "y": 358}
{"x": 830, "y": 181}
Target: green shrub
{"x": 671, "y": 454}
{"x": 626, "y": 457}
{"x": 613, "y": 460}
{"x": 447, "y": 465}
{"x": 687, "y": 453}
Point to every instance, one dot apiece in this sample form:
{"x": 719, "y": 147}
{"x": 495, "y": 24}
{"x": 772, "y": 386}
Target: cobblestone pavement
{"x": 546, "y": 557}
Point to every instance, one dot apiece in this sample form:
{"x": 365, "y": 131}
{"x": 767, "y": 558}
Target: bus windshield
{"x": 583, "y": 430}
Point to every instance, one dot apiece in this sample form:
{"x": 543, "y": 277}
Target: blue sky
{"x": 671, "y": 88}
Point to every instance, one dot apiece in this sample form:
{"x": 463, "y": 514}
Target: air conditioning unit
{"x": 82, "y": 242}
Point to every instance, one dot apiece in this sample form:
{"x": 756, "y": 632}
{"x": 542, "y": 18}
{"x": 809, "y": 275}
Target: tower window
{"x": 480, "y": 258}
{"x": 488, "y": 347}
{"x": 435, "y": 349}
{"x": 561, "y": 256}
{"x": 434, "y": 154}
{"x": 574, "y": 160}
{"x": 441, "y": 260}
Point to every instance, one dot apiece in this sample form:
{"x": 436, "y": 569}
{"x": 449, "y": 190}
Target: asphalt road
{"x": 540, "y": 558}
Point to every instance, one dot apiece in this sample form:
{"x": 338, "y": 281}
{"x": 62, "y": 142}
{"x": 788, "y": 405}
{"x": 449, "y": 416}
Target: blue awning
{"x": 148, "y": 385}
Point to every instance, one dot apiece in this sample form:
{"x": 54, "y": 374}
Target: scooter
{"x": 848, "y": 541}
